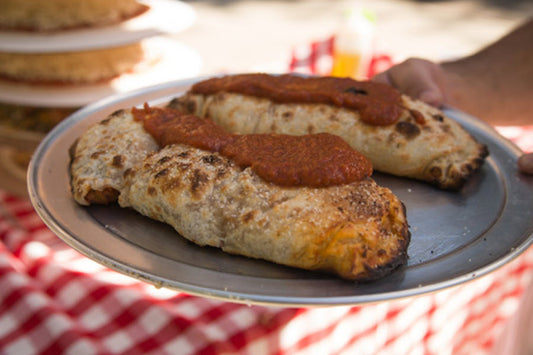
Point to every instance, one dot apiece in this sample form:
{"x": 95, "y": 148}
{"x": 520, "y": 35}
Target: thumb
{"x": 417, "y": 78}
{"x": 432, "y": 96}
{"x": 422, "y": 82}
{"x": 525, "y": 163}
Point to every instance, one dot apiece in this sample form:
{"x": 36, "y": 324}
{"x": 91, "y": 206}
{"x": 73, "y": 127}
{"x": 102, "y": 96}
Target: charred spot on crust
{"x": 102, "y": 197}
{"x": 72, "y": 149}
{"x": 174, "y": 102}
{"x": 436, "y": 172}
{"x": 161, "y": 173}
{"x": 118, "y": 161}
{"x": 333, "y": 118}
{"x": 417, "y": 116}
{"x": 446, "y": 128}
{"x": 185, "y": 105}
{"x": 248, "y": 216}
{"x": 190, "y": 106}
{"x": 151, "y": 191}
{"x": 356, "y": 91}
{"x": 438, "y": 117}
{"x": 221, "y": 173}
{"x": 128, "y": 172}
{"x": 163, "y": 160}
{"x": 219, "y": 97}
{"x": 371, "y": 274}
{"x": 114, "y": 114}
{"x": 198, "y": 179}
{"x": 455, "y": 177}
{"x": 483, "y": 153}
{"x": 407, "y": 129}
{"x": 287, "y": 115}
{"x": 398, "y": 258}
{"x": 96, "y": 155}
{"x": 182, "y": 166}
{"x": 211, "y": 159}
{"x": 170, "y": 184}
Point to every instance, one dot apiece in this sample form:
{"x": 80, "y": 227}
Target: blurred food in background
{"x": 57, "y": 56}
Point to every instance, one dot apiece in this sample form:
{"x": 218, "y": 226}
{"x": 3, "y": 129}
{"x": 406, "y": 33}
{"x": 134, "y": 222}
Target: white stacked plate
{"x": 163, "y": 17}
{"x": 166, "y": 59}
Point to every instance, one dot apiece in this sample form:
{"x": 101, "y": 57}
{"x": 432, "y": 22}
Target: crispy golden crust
{"x": 357, "y": 231}
{"x": 103, "y": 154}
{"x": 438, "y": 151}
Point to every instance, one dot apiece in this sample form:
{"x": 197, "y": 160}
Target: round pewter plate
{"x": 456, "y": 236}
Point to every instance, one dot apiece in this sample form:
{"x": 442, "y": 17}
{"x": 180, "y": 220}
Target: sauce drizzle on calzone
{"x": 314, "y": 160}
{"x": 378, "y": 104}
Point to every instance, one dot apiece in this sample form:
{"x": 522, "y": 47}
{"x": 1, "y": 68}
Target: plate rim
{"x": 163, "y": 92}
{"x": 153, "y": 22}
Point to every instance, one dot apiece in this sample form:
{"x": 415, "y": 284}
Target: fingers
{"x": 417, "y": 78}
{"x": 525, "y": 163}
{"x": 432, "y": 96}
{"x": 382, "y": 78}
{"x": 423, "y": 80}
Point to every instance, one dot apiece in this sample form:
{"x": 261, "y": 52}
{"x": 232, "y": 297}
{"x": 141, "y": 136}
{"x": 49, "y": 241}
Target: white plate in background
{"x": 163, "y": 17}
{"x": 167, "y": 60}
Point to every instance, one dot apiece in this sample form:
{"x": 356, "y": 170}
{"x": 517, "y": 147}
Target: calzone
{"x": 357, "y": 231}
{"x": 399, "y": 135}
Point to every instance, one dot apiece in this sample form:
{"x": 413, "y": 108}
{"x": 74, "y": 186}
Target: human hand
{"x": 418, "y": 78}
{"x": 525, "y": 163}
{"x": 424, "y": 80}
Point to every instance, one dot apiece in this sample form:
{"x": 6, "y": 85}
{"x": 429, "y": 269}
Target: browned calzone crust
{"x": 438, "y": 151}
{"x": 357, "y": 231}
{"x": 104, "y": 153}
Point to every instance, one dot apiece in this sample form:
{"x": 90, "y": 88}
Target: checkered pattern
{"x": 53, "y": 300}
{"x": 317, "y": 58}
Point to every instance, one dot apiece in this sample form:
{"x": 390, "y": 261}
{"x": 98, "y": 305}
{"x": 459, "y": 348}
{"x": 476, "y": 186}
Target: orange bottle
{"x": 352, "y": 48}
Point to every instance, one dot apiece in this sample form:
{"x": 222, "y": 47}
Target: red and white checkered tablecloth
{"x": 54, "y": 300}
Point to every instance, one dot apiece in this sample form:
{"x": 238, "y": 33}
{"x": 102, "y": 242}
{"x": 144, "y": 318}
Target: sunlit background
{"x": 233, "y": 35}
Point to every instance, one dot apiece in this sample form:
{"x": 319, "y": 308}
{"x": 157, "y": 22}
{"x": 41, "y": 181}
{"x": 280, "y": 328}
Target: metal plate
{"x": 456, "y": 236}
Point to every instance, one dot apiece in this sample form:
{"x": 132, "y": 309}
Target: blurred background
{"x": 45, "y": 75}
{"x": 236, "y": 35}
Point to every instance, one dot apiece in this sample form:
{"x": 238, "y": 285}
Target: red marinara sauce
{"x": 378, "y": 104}
{"x": 315, "y": 160}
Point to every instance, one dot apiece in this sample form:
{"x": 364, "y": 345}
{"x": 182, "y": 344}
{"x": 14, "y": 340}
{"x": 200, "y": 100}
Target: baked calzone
{"x": 399, "y": 135}
{"x": 357, "y": 230}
